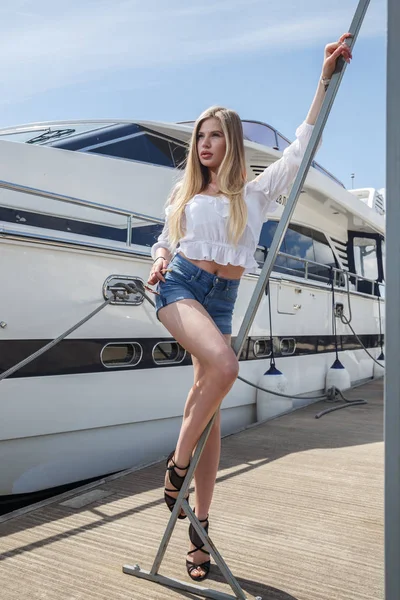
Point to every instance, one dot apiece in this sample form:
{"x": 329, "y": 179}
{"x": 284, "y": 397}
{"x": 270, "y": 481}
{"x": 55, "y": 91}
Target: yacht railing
{"x": 7, "y": 185}
{"x": 338, "y": 274}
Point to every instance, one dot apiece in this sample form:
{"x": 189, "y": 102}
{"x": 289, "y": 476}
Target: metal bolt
{"x": 3, "y": 324}
{"x": 136, "y": 567}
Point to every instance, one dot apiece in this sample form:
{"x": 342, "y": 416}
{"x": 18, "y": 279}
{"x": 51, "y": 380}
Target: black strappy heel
{"x": 197, "y": 541}
{"x": 177, "y": 482}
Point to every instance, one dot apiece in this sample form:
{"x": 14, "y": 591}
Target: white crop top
{"x": 206, "y": 216}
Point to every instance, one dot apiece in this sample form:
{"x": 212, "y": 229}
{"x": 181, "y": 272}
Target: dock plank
{"x": 297, "y": 515}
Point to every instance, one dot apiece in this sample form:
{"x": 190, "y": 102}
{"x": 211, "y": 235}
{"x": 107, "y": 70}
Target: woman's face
{"x": 211, "y": 143}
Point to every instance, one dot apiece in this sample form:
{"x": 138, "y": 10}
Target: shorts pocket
{"x": 178, "y": 275}
{"x": 231, "y": 294}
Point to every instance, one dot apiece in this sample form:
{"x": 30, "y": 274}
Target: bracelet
{"x": 325, "y": 82}
{"x": 158, "y": 258}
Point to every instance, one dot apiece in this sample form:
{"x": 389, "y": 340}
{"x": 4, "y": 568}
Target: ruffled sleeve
{"x": 162, "y": 240}
{"x": 277, "y": 178}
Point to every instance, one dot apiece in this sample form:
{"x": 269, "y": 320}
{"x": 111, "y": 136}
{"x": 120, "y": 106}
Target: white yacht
{"x": 80, "y": 205}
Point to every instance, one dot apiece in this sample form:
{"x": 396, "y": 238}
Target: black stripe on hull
{"x": 77, "y": 356}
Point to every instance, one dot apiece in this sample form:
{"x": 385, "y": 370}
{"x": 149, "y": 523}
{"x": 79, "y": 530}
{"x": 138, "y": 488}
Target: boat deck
{"x": 297, "y": 515}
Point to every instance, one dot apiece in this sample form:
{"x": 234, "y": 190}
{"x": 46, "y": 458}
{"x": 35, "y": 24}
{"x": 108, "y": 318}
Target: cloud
{"x": 46, "y": 45}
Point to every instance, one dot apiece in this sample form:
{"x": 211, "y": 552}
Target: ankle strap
{"x": 201, "y": 520}
{"x": 177, "y": 466}
{"x": 204, "y": 520}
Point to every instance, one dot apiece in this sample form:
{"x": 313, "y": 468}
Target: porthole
{"x": 166, "y": 353}
{"x": 288, "y": 346}
{"x": 262, "y": 348}
{"x": 124, "y": 354}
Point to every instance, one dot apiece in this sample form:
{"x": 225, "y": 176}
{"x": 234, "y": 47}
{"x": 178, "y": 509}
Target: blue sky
{"x": 170, "y": 59}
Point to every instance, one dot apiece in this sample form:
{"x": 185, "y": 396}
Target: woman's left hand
{"x": 332, "y": 53}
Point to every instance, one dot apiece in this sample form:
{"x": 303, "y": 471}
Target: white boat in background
{"x": 111, "y": 395}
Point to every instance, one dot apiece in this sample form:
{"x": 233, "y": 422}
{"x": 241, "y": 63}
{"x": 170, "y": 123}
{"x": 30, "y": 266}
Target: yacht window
{"x": 288, "y": 346}
{"x": 259, "y": 133}
{"x": 168, "y": 352}
{"x": 179, "y": 155}
{"x": 282, "y": 142}
{"x": 259, "y": 255}
{"x": 266, "y": 236}
{"x": 145, "y": 235}
{"x": 121, "y": 355}
{"x": 262, "y": 348}
{"x": 298, "y": 243}
{"x": 302, "y": 243}
{"x": 142, "y": 235}
{"x": 365, "y": 259}
{"x": 145, "y": 148}
{"x": 323, "y": 255}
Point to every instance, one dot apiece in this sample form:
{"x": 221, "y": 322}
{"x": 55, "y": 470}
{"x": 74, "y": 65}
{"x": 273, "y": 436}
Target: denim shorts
{"x": 216, "y": 294}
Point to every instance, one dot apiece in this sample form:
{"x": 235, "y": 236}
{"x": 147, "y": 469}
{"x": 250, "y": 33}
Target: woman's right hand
{"x": 158, "y": 269}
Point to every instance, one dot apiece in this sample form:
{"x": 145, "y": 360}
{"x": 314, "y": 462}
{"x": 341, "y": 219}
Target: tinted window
{"x": 121, "y": 355}
{"x": 267, "y": 233}
{"x": 99, "y": 137}
{"x": 146, "y": 235}
{"x": 365, "y": 257}
{"x": 261, "y": 134}
{"x": 168, "y": 352}
{"x": 298, "y": 242}
{"x": 303, "y": 243}
{"x": 282, "y": 142}
{"x": 145, "y": 148}
{"x": 178, "y": 155}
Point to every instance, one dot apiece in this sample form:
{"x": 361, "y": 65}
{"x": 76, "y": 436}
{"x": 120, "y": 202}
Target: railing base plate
{"x": 136, "y": 571}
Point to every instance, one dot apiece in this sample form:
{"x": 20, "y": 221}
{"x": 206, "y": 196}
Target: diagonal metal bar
{"x": 298, "y": 183}
{"x": 219, "y": 561}
{"x": 181, "y": 496}
{"x": 136, "y": 571}
{"x": 239, "y": 342}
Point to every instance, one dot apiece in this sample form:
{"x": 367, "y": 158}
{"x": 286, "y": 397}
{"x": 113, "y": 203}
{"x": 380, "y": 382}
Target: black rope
{"x": 382, "y": 356}
{"x": 333, "y": 314}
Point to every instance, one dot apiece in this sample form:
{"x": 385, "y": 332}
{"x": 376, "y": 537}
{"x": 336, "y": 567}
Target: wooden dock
{"x": 297, "y": 515}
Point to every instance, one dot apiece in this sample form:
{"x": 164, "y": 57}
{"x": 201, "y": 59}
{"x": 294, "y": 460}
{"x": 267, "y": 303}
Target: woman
{"x": 213, "y": 222}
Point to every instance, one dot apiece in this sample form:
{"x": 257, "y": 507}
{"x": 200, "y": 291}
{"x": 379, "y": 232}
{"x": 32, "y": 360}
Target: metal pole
{"x": 239, "y": 342}
{"x": 298, "y": 183}
{"x": 392, "y": 336}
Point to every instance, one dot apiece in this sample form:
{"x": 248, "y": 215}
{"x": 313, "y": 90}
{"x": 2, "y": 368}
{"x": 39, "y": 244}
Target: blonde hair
{"x": 231, "y": 177}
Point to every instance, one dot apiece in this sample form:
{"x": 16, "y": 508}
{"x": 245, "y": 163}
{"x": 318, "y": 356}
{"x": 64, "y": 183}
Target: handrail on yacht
{"x": 14, "y": 187}
{"x": 147, "y": 218}
{"x": 335, "y": 270}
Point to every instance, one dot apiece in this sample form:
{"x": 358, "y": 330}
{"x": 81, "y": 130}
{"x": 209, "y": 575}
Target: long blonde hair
{"x": 231, "y": 177}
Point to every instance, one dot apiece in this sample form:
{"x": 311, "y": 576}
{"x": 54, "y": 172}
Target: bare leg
{"x": 206, "y": 473}
{"x": 216, "y": 369}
